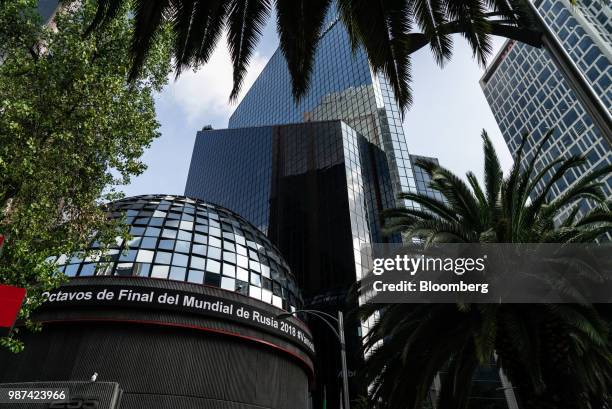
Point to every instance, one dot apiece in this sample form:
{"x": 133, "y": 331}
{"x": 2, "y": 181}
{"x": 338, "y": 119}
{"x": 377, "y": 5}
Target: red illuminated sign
{"x": 11, "y": 299}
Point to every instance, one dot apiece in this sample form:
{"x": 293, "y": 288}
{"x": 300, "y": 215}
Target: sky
{"x": 445, "y": 120}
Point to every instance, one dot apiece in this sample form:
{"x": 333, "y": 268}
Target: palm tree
{"x": 556, "y": 356}
{"x": 383, "y": 28}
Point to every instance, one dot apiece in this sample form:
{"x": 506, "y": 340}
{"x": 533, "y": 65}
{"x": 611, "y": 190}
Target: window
{"x": 214, "y": 252}
{"x": 198, "y": 262}
{"x": 228, "y": 283}
{"x": 182, "y": 246}
{"x": 129, "y": 255}
{"x": 163, "y": 257}
{"x": 145, "y": 256}
{"x": 124, "y": 269}
{"x": 177, "y": 273}
{"x": 87, "y": 270}
{"x": 199, "y": 249}
{"x": 196, "y": 276}
{"x": 180, "y": 260}
{"x": 152, "y": 231}
{"x": 229, "y": 270}
{"x": 166, "y": 244}
{"x": 213, "y": 266}
{"x": 160, "y": 271}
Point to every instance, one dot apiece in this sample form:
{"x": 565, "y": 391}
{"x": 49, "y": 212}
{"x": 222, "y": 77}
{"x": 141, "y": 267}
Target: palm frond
{"x": 492, "y": 170}
{"x": 601, "y": 214}
{"x": 183, "y": 12}
{"x": 569, "y": 221}
{"x": 207, "y": 25}
{"x": 543, "y": 349}
{"x": 591, "y": 234}
{"x": 525, "y": 184}
{"x": 148, "y": 17}
{"x": 457, "y": 384}
{"x": 471, "y": 16}
{"x": 106, "y": 12}
{"x": 473, "y": 181}
{"x": 246, "y": 21}
{"x": 429, "y": 14}
{"x": 437, "y": 230}
{"x": 586, "y": 184}
{"x": 382, "y": 29}
{"x": 299, "y": 25}
{"x": 458, "y": 194}
{"x": 433, "y": 205}
{"x": 541, "y": 214}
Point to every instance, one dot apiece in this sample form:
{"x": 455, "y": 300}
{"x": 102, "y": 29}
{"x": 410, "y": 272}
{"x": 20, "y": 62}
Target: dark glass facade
{"x": 233, "y": 167}
{"x": 316, "y": 188}
{"x": 323, "y": 185}
{"x": 342, "y": 87}
{"x": 314, "y": 175}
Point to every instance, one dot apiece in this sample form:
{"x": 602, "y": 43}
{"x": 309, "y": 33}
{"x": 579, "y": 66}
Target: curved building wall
{"x": 165, "y": 354}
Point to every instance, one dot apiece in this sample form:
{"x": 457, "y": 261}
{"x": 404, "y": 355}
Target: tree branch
{"x": 416, "y": 41}
{"x": 33, "y": 53}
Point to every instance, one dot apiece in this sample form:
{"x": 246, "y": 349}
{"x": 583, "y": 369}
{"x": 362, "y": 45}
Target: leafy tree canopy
{"x": 71, "y": 128}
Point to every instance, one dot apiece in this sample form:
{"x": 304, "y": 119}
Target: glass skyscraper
{"x": 315, "y": 189}
{"x": 314, "y": 175}
{"x": 301, "y": 184}
{"x": 342, "y": 87}
{"x": 527, "y": 93}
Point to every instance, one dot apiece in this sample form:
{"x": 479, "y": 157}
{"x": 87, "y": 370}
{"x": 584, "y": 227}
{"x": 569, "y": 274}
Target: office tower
{"x": 311, "y": 187}
{"x": 342, "y": 87}
{"x": 315, "y": 188}
{"x": 527, "y": 93}
{"x": 314, "y": 175}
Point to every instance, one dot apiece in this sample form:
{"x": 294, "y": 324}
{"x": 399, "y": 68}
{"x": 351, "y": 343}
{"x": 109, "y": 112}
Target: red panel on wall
{"x": 11, "y": 299}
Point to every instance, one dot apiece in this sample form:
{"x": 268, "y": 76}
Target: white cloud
{"x": 203, "y": 94}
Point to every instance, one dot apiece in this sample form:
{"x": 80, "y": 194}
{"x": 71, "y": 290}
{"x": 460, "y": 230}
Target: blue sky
{"x": 445, "y": 121}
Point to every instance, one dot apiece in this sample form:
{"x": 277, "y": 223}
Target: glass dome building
{"x": 194, "y": 297}
{"x": 182, "y": 239}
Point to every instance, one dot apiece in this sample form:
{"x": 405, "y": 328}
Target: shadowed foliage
{"x": 388, "y": 30}
{"x": 556, "y": 356}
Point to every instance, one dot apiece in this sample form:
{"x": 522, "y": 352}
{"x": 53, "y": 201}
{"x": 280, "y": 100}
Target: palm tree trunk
{"x": 508, "y": 390}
